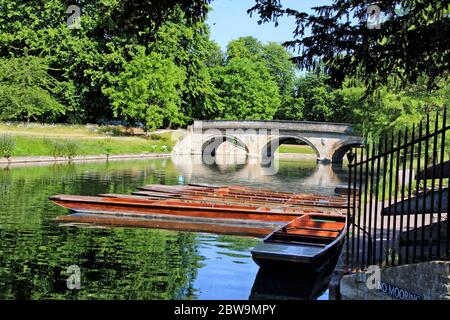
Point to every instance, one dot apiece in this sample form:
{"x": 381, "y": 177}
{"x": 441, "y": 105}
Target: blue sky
{"x": 229, "y": 20}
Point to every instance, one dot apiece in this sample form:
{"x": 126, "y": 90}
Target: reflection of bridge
{"x": 291, "y": 176}
{"x": 330, "y": 141}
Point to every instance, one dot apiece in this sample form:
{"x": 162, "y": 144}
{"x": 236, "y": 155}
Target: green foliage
{"x": 318, "y": 98}
{"x": 63, "y": 148}
{"x": 191, "y": 49}
{"x": 163, "y": 70}
{"x": 71, "y": 149}
{"x": 390, "y": 110}
{"x": 147, "y": 90}
{"x": 249, "y": 92}
{"x": 274, "y": 57}
{"x": 7, "y": 145}
{"x": 411, "y": 41}
{"x": 56, "y": 147}
{"x": 314, "y": 100}
{"x": 27, "y": 90}
{"x": 107, "y": 144}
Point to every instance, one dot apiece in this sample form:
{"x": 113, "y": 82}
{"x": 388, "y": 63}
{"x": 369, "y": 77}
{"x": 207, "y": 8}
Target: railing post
{"x": 350, "y": 157}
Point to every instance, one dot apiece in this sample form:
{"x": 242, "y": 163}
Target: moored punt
{"x": 311, "y": 241}
{"x": 317, "y": 207}
{"x": 237, "y": 190}
{"x": 228, "y": 227}
{"x": 176, "y": 207}
{"x": 237, "y": 194}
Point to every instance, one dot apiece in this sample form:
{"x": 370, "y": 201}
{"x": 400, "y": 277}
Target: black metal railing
{"x": 398, "y": 197}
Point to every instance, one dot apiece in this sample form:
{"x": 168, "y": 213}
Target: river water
{"x": 136, "y": 263}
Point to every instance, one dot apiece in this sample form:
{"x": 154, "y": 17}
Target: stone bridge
{"x": 330, "y": 141}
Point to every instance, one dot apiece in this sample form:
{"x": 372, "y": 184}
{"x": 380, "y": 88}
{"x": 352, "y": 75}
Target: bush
{"x": 7, "y": 146}
{"x": 56, "y": 147}
{"x": 63, "y": 148}
{"x": 71, "y": 149}
{"x": 107, "y": 144}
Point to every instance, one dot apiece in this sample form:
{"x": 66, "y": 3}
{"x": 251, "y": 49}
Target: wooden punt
{"x": 207, "y": 200}
{"x": 176, "y": 207}
{"x": 238, "y": 190}
{"x": 211, "y": 197}
{"x": 239, "y": 194}
{"x": 311, "y": 241}
{"x": 231, "y": 201}
{"x": 227, "y": 227}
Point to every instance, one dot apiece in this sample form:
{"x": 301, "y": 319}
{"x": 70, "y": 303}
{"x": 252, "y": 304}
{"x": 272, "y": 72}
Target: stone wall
{"x": 426, "y": 280}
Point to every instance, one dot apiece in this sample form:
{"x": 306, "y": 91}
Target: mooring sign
{"x": 398, "y": 293}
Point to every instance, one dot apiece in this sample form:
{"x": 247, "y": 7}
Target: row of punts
{"x": 303, "y": 229}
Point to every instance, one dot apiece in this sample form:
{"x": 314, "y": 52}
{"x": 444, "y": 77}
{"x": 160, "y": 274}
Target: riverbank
{"x": 24, "y": 161}
{"x": 32, "y": 142}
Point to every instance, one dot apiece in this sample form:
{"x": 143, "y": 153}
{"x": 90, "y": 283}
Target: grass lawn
{"x": 295, "y": 148}
{"x": 38, "y": 140}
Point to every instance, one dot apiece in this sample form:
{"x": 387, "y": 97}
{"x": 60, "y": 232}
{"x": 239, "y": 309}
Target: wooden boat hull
{"x": 120, "y": 206}
{"x": 281, "y": 258}
{"x": 322, "y": 204}
{"x": 226, "y": 227}
{"x": 244, "y": 194}
{"x": 313, "y": 250}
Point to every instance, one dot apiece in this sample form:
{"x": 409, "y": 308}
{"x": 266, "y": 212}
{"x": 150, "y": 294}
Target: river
{"x": 135, "y": 263}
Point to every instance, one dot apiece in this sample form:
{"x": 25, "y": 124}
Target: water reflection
{"x": 289, "y": 175}
{"x": 272, "y": 284}
{"x": 125, "y": 262}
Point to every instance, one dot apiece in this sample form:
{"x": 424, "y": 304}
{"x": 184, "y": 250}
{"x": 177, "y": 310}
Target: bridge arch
{"x": 211, "y": 143}
{"x": 266, "y": 151}
{"x": 342, "y": 148}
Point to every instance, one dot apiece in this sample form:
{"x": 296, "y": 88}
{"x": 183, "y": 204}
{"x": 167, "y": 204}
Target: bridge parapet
{"x": 300, "y": 126}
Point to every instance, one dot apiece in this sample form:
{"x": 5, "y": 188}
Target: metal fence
{"x": 398, "y": 197}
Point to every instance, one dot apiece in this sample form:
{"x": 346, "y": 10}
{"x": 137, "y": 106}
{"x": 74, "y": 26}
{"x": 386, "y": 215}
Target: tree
{"x": 248, "y": 91}
{"x": 318, "y": 98}
{"x": 411, "y": 42}
{"x": 191, "y": 49}
{"x": 281, "y": 68}
{"x": 27, "y": 89}
{"x": 245, "y": 47}
{"x": 147, "y": 90}
{"x": 83, "y": 59}
{"x": 278, "y": 63}
{"x": 391, "y": 110}
{"x": 148, "y": 15}
{"x": 276, "y": 59}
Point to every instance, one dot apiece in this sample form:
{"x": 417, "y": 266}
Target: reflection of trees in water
{"x": 240, "y": 244}
{"x": 116, "y": 263}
